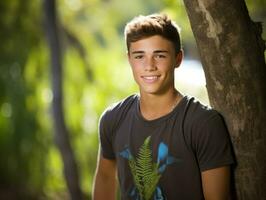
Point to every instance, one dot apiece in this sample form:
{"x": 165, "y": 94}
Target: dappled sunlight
{"x": 6, "y": 109}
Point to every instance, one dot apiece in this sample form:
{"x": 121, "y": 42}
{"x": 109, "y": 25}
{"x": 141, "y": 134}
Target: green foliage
{"x": 144, "y": 171}
{"x": 22, "y": 147}
{"x": 257, "y": 10}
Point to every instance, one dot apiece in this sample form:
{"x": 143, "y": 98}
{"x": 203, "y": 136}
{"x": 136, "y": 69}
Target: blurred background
{"x": 95, "y": 75}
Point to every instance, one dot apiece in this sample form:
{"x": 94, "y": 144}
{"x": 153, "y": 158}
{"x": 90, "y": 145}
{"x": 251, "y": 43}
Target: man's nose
{"x": 150, "y": 64}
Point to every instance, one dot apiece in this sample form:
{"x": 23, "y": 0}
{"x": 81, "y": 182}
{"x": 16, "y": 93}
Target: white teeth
{"x": 150, "y": 77}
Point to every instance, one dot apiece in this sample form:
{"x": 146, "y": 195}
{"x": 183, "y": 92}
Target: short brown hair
{"x": 156, "y": 24}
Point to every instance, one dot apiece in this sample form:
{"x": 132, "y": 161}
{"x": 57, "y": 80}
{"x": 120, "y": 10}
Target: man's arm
{"x": 216, "y": 183}
{"x": 104, "y": 186}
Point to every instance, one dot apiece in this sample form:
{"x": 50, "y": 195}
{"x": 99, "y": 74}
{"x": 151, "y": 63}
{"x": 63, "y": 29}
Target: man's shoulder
{"x": 202, "y": 120}
{"x": 119, "y": 108}
{"x": 198, "y": 111}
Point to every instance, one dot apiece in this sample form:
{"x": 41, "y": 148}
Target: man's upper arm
{"x": 106, "y": 167}
{"x": 216, "y": 183}
{"x": 104, "y": 186}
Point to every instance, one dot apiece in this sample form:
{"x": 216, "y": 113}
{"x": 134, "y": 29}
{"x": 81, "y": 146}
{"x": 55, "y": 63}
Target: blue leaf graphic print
{"x": 145, "y": 172}
{"x": 126, "y": 154}
{"x": 162, "y": 152}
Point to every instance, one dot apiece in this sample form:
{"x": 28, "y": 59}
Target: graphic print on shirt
{"x": 146, "y": 173}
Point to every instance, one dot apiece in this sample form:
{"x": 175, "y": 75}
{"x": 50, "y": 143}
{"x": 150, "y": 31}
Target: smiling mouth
{"x": 150, "y": 79}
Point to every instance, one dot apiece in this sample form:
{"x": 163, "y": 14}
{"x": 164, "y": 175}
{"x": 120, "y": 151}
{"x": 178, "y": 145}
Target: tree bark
{"x": 232, "y": 54}
{"x": 61, "y": 133}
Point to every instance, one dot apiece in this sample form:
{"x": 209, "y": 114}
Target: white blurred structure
{"x": 190, "y": 79}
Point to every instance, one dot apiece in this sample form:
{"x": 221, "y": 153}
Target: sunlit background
{"x": 96, "y": 74}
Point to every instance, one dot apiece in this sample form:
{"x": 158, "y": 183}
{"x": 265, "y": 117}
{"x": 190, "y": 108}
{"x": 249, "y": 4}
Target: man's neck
{"x": 156, "y": 106}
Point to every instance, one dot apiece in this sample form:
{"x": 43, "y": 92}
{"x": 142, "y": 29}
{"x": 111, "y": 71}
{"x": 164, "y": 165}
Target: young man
{"x": 161, "y": 144}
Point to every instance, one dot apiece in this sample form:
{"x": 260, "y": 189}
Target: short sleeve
{"x": 213, "y": 146}
{"x": 105, "y": 136}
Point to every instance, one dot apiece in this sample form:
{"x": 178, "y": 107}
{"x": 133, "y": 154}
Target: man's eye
{"x": 138, "y": 57}
{"x": 160, "y": 56}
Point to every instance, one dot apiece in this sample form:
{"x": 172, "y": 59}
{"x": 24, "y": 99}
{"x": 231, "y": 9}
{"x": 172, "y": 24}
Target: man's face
{"x": 153, "y": 61}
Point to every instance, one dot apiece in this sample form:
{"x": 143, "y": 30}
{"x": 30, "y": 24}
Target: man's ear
{"x": 179, "y": 58}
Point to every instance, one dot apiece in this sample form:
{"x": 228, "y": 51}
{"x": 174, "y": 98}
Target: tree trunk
{"x": 232, "y": 54}
{"x": 61, "y": 132}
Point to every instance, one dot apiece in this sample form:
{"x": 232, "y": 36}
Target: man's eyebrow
{"x": 137, "y": 52}
{"x": 156, "y": 51}
{"x": 161, "y": 51}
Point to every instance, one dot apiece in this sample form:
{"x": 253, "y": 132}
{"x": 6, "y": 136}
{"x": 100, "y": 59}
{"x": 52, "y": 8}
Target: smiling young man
{"x": 161, "y": 144}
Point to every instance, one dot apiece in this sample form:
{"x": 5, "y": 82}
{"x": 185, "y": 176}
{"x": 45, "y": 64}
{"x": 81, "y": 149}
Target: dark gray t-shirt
{"x": 163, "y": 158}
